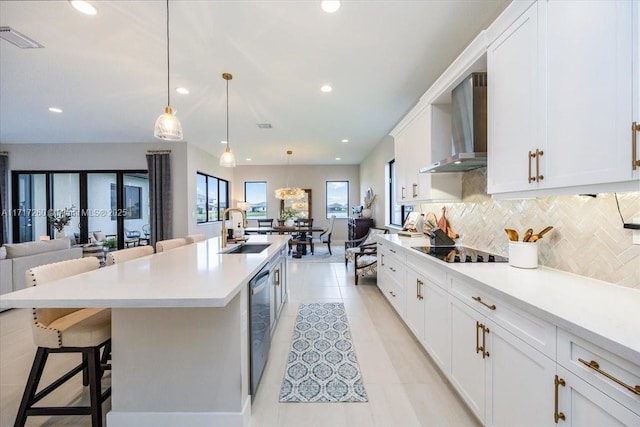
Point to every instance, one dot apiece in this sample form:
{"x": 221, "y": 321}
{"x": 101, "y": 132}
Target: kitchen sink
{"x": 249, "y": 248}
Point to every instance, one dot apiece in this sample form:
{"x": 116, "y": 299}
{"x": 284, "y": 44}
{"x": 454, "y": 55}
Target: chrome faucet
{"x": 224, "y": 223}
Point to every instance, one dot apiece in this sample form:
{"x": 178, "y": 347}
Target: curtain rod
{"x": 159, "y": 152}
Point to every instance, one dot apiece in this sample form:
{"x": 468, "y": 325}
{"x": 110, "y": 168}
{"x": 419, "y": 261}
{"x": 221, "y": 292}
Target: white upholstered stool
{"x": 165, "y": 245}
{"x": 117, "y": 257}
{"x": 192, "y": 238}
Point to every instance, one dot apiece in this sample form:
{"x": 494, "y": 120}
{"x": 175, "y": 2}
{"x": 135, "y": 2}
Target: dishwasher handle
{"x": 258, "y": 288}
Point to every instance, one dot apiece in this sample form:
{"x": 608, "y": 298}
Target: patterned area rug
{"x": 321, "y": 253}
{"x": 322, "y": 364}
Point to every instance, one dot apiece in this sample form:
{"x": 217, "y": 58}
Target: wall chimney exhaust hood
{"x": 468, "y": 127}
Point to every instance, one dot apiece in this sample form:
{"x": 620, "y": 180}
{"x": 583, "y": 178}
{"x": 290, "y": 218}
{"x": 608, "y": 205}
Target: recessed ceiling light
{"x": 248, "y": 159}
{"x": 330, "y": 6}
{"x": 345, "y": 140}
{"x": 337, "y": 158}
{"x": 223, "y": 142}
{"x": 182, "y": 90}
{"x": 55, "y": 110}
{"x": 326, "y": 88}
{"x": 457, "y": 162}
{"x": 84, "y": 7}
{"x": 264, "y": 125}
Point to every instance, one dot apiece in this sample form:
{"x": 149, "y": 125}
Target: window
{"x": 132, "y": 198}
{"x": 255, "y": 193}
{"x": 212, "y": 198}
{"x": 338, "y": 199}
{"x": 395, "y": 210}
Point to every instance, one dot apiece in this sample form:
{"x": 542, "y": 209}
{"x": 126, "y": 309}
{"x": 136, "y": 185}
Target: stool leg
{"x": 85, "y": 370}
{"x": 95, "y": 392}
{"x": 32, "y": 385}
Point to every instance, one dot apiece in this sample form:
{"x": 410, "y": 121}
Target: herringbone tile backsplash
{"x": 588, "y": 238}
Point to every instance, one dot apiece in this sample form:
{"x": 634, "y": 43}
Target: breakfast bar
{"x": 180, "y": 351}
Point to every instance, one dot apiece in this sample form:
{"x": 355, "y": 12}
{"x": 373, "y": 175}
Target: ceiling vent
{"x": 20, "y": 40}
{"x": 264, "y": 125}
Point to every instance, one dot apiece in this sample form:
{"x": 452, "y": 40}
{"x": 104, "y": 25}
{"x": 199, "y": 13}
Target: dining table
{"x": 281, "y": 229}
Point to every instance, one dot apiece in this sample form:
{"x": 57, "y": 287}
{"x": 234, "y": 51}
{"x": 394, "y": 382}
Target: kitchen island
{"x": 179, "y": 331}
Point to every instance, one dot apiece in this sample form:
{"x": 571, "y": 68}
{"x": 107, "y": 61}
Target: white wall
{"x": 311, "y": 177}
{"x": 373, "y": 174}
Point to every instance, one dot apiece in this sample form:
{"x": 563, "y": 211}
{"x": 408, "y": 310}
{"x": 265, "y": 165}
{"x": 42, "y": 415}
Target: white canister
{"x": 523, "y": 254}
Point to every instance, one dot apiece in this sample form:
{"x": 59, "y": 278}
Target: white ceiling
{"x": 108, "y": 72}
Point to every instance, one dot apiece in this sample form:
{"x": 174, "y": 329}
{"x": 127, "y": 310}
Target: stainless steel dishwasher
{"x": 259, "y": 326}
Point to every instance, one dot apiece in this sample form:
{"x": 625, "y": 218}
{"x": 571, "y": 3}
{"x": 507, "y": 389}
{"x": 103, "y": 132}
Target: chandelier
{"x": 289, "y": 193}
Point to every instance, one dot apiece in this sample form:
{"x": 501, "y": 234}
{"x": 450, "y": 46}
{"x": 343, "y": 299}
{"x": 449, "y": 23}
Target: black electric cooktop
{"x": 459, "y": 254}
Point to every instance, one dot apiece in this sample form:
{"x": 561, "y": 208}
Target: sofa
{"x": 16, "y": 258}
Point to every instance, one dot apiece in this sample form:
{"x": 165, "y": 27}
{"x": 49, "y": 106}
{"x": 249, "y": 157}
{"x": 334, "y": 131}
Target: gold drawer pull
{"x": 539, "y": 177}
{"x": 392, "y": 269}
{"x": 392, "y": 294}
{"x": 490, "y": 307}
{"x": 635, "y": 127}
{"x": 596, "y": 367}
{"x": 531, "y": 156}
{"x": 558, "y": 415}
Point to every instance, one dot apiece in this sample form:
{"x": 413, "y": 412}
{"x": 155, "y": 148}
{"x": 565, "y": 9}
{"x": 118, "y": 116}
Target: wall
{"x": 588, "y": 238}
{"x": 373, "y": 174}
{"x": 311, "y": 177}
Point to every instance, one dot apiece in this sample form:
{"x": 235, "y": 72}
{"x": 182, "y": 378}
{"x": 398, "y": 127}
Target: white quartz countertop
{"x": 606, "y": 313}
{"x": 195, "y": 275}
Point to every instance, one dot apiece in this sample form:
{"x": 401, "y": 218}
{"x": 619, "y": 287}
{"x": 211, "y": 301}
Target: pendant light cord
{"x": 168, "y": 92}
{"x": 227, "y": 113}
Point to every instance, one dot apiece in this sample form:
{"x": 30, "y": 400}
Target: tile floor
{"x": 403, "y": 385}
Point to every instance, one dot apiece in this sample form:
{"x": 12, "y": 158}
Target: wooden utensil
{"x": 527, "y": 235}
{"x": 539, "y": 235}
{"x": 513, "y": 234}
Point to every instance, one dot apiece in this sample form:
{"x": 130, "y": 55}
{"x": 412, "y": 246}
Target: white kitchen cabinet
{"x": 415, "y": 305}
{"x": 514, "y": 103}
{"x": 561, "y": 99}
{"x": 412, "y": 148}
{"x": 582, "y": 405}
{"x": 437, "y": 325}
{"x": 391, "y": 271}
{"x": 504, "y": 380}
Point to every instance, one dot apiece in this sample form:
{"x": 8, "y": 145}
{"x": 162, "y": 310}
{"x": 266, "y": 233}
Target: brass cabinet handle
{"x": 392, "y": 269}
{"x": 382, "y": 260}
{"x": 635, "y": 127}
{"x": 485, "y": 331}
{"x": 415, "y": 190}
{"x": 558, "y": 415}
{"x": 402, "y": 192}
{"x": 278, "y": 277}
{"x": 419, "y": 284}
{"x": 490, "y": 307}
{"x": 539, "y": 177}
{"x": 478, "y": 348}
{"x": 531, "y": 155}
{"x": 392, "y": 294}
{"x": 596, "y": 367}
{"x": 392, "y": 250}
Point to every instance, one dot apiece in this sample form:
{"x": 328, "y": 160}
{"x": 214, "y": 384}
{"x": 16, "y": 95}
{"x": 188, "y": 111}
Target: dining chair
{"x": 117, "y": 257}
{"x": 265, "y": 223}
{"x": 325, "y": 235}
{"x": 192, "y": 238}
{"x": 165, "y": 245}
{"x": 67, "y": 330}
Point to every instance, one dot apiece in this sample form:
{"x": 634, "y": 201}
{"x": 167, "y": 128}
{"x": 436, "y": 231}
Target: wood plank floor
{"x": 403, "y": 385}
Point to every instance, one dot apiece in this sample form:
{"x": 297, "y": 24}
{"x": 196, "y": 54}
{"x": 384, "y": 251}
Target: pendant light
{"x": 227, "y": 160}
{"x": 168, "y": 126}
{"x": 289, "y": 193}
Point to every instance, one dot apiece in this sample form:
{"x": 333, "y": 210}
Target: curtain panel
{"x": 4, "y": 196}
{"x": 160, "y": 197}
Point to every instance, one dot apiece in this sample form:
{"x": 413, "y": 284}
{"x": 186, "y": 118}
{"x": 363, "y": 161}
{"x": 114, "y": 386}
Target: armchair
{"x": 363, "y": 253}
{"x": 325, "y": 236}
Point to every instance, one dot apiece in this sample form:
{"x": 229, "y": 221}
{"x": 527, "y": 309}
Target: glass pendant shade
{"x": 228, "y": 160}
{"x": 168, "y": 126}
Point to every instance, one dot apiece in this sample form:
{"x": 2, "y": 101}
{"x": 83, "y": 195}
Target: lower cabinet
{"x": 581, "y": 404}
{"x": 505, "y": 381}
{"x": 279, "y": 287}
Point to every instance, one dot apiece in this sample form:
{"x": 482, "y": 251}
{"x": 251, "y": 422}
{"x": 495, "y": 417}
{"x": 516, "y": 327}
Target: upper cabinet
{"x": 563, "y": 94}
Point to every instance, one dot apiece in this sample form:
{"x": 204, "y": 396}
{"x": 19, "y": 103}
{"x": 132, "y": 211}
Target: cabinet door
{"x": 514, "y": 101}
{"x": 520, "y": 382}
{"x": 467, "y": 364}
{"x": 437, "y": 325}
{"x": 414, "y": 287}
{"x": 589, "y": 60}
{"x": 401, "y": 153}
{"x": 584, "y": 406}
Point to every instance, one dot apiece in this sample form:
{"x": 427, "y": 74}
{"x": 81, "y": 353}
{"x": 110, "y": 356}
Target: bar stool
{"x": 117, "y": 257}
{"x": 192, "y": 238}
{"x": 67, "y": 330}
{"x": 165, "y": 245}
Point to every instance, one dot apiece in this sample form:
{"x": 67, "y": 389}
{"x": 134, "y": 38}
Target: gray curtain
{"x": 160, "y": 197}
{"x": 4, "y": 195}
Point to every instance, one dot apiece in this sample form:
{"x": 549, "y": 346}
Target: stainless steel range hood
{"x": 468, "y": 127}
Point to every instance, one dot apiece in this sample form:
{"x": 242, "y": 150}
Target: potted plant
{"x": 288, "y": 215}
{"x": 59, "y": 219}
{"x": 111, "y": 243}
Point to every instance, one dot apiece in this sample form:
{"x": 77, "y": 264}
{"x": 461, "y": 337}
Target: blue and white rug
{"x": 322, "y": 364}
